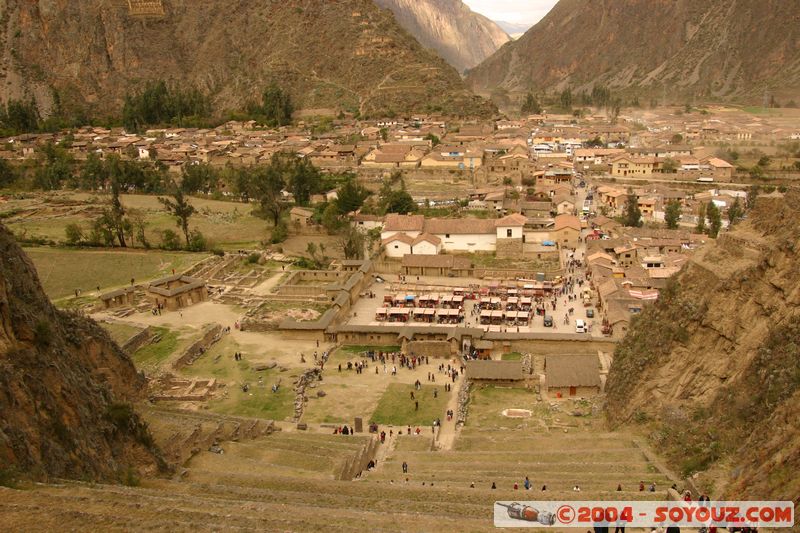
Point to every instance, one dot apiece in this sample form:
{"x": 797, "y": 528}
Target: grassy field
{"x": 513, "y": 356}
{"x": 259, "y": 401}
{"x": 227, "y": 224}
{"x": 120, "y": 332}
{"x": 354, "y": 352}
{"x": 487, "y": 403}
{"x": 61, "y": 271}
{"x": 397, "y": 408}
{"x": 152, "y": 355}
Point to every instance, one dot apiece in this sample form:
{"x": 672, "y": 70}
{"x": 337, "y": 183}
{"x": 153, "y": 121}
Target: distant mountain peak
{"x": 459, "y": 35}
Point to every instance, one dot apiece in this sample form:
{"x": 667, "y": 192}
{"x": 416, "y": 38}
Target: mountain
{"x": 711, "y": 370}
{"x": 706, "y": 48}
{"x": 463, "y": 38}
{"x": 65, "y": 387}
{"x": 514, "y": 29}
{"x": 344, "y": 54}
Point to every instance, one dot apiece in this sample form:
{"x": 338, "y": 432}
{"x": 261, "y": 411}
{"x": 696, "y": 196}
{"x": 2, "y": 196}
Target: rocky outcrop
{"x": 710, "y": 371}
{"x": 65, "y": 386}
{"x": 463, "y": 38}
{"x": 346, "y": 55}
{"x": 705, "y": 48}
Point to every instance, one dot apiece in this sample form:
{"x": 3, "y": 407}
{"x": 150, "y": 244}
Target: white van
{"x": 580, "y": 326}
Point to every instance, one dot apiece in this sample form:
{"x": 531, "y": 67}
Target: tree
{"x": 276, "y": 106}
{"x": 351, "y": 196}
{"x": 180, "y": 208}
{"x": 566, "y": 99}
{"x": 701, "y": 219}
{"x": 752, "y": 195}
{"x": 19, "y": 116}
{"x": 74, "y": 233}
{"x": 672, "y": 214}
{"x": 670, "y": 165}
{"x": 352, "y": 243}
{"x": 199, "y": 178}
{"x": 398, "y": 202}
{"x": 676, "y": 139}
{"x": 170, "y": 240}
{"x": 714, "y": 219}
{"x": 55, "y": 167}
{"x": 764, "y": 161}
{"x": 633, "y": 215}
{"x": 330, "y": 218}
{"x": 139, "y": 224}
{"x": 304, "y": 180}
{"x": 531, "y": 105}
{"x": 117, "y": 214}
{"x": 7, "y": 174}
{"x": 735, "y": 212}
{"x": 433, "y": 139}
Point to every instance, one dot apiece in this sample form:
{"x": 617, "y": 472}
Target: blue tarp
{"x": 548, "y": 243}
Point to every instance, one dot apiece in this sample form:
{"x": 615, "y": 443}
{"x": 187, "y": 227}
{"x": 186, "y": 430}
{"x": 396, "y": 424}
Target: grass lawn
{"x": 154, "y": 354}
{"x": 61, "y": 271}
{"x": 259, "y": 401}
{"x": 120, "y": 332}
{"x": 513, "y": 356}
{"x": 397, "y": 408}
{"x": 487, "y": 402}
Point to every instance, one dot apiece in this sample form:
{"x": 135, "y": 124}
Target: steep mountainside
{"x": 344, "y": 54}
{"x": 713, "y": 370}
{"x": 707, "y": 48}
{"x": 65, "y": 386}
{"x": 461, "y": 37}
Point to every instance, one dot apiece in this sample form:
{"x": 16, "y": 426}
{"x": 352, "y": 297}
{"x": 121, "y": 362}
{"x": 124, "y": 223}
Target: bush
{"x": 197, "y": 242}
{"x": 279, "y": 233}
{"x": 170, "y": 240}
{"x": 253, "y": 258}
{"x": 73, "y": 233}
{"x": 218, "y": 252}
{"x": 42, "y": 333}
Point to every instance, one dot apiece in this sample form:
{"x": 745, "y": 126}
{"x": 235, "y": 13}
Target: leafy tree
{"x": 735, "y": 212}
{"x": 756, "y": 172}
{"x": 74, "y": 233}
{"x": 398, "y": 202}
{"x": 633, "y": 215}
{"x": 714, "y": 219}
{"x": 676, "y": 139}
{"x": 94, "y": 173}
{"x": 672, "y": 214}
{"x": 8, "y": 175}
{"x": 180, "y": 208}
{"x": 19, "y": 116}
{"x": 531, "y": 105}
{"x": 304, "y": 180}
{"x": 597, "y": 142}
{"x": 158, "y": 103}
{"x": 276, "y": 106}
{"x": 352, "y": 243}
{"x": 55, "y": 167}
{"x": 433, "y": 139}
{"x": 764, "y": 161}
{"x": 265, "y": 185}
{"x": 280, "y": 232}
{"x": 670, "y": 165}
{"x": 796, "y": 167}
{"x": 116, "y": 214}
{"x": 197, "y": 242}
{"x": 330, "y": 218}
{"x": 102, "y": 233}
{"x": 351, "y": 196}
{"x": 170, "y": 240}
{"x": 752, "y": 195}
{"x": 384, "y": 132}
{"x": 566, "y": 99}
{"x": 701, "y": 219}
{"x": 199, "y": 178}
{"x": 139, "y": 224}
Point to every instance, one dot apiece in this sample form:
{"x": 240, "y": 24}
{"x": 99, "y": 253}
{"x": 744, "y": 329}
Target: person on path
{"x": 405, "y": 467}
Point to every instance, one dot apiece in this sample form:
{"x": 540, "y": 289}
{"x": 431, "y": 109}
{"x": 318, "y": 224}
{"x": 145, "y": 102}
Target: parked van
{"x": 548, "y": 321}
{"x": 580, "y": 326}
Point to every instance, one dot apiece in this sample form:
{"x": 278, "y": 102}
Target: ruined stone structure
{"x": 176, "y": 292}
{"x": 146, "y": 8}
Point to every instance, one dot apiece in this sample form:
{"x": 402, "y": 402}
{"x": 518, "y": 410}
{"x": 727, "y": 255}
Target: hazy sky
{"x": 527, "y": 11}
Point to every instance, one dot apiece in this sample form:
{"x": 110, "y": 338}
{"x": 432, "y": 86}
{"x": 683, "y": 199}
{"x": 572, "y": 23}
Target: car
{"x": 580, "y": 326}
{"x": 590, "y": 313}
{"x": 548, "y": 321}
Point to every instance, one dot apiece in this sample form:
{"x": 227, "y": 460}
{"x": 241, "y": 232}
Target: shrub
{"x": 279, "y": 233}
{"x": 42, "y": 333}
{"x": 170, "y": 240}
{"x": 253, "y": 258}
{"x": 197, "y": 242}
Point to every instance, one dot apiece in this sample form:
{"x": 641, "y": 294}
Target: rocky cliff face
{"x": 344, "y": 54}
{"x": 706, "y": 48}
{"x": 65, "y": 386}
{"x": 712, "y": 370}
{"x": 461, "y": 37}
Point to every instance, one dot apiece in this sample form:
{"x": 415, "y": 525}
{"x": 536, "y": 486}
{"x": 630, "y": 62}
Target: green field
{"x": 120, "y": 332}
{"x": 227, "y": 224}
{"x": 513, "y": 356}
{"x": 61, "y": 271}
{"x": 396, "y": 408}
{"x": 154, "y": 354}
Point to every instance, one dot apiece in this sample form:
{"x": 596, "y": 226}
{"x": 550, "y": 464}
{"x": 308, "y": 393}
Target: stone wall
{"x": 353, "y": 466}
{"x": 138, "y": 340}
{"x": 440, "y": 349}
{"x": 211, "y": 335}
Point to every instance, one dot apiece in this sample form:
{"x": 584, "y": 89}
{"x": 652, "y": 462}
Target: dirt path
{"x": 266, "y": 286}
{"x": 448, "y": 431}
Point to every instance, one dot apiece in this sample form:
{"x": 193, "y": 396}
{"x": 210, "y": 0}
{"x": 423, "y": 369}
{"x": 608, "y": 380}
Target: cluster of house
{"x": 628, "y": 267}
